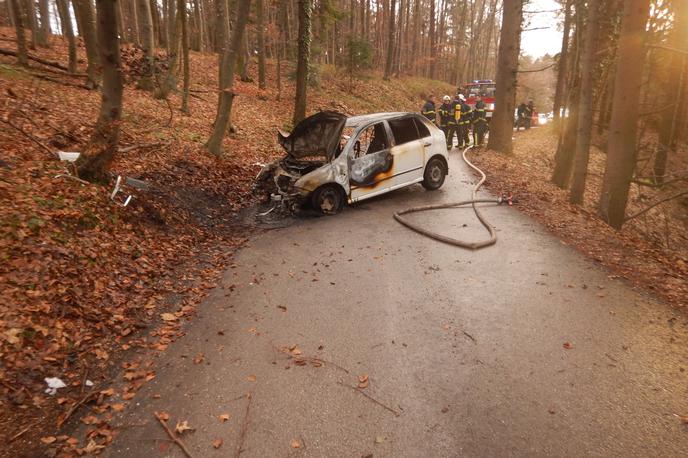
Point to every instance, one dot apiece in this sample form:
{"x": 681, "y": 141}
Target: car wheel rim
{"x": 436, "y": 173}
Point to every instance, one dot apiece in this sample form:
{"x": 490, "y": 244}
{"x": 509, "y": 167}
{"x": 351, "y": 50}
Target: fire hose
{"x": 473, "y": 201}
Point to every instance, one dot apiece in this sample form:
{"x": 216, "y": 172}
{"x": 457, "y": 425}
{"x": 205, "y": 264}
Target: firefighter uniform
{"x": 456, "y": 103}
{"x": 448, "y": 122}
{"x": 429, "y": 110}
{"x": 465, "y": 124}
{"x": 480, "y": 126}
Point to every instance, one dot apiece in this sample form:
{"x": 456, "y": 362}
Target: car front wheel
{"x": 328, "y": 199}
{"x": 435, "y": 173}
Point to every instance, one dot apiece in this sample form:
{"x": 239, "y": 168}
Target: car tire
{"x": 328, "y": 199}
{"x": 435, "y": 173}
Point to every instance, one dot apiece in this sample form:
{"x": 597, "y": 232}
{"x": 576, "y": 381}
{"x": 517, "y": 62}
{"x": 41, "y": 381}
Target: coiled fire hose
{"x": 473, "y": 201}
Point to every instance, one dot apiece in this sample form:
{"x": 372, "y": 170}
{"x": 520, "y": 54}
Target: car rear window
{"x": 422, "y": 128}
{"x": 404, "y": 130}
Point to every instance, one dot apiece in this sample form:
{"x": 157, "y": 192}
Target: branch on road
{"x": 173, "y": 436}
{"x": 244, "y": 427}
{"x": 386, "y": 407}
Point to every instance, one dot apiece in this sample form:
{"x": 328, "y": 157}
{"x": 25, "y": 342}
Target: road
{"x": 464, "y": 351}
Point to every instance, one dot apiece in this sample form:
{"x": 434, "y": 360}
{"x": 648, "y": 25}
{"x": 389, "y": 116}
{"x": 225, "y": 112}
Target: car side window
{"x": 404, "y": 130}
{"x": 371, "y": 140}
{"x": 422, "y": 128}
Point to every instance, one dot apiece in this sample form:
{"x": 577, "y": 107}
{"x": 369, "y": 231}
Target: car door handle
{"x": 427, "y": 143}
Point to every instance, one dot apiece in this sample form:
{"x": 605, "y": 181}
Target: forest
{"x": 180, "y": 100}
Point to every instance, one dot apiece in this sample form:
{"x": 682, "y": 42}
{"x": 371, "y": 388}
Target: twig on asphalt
{"x": 244, "y": 427}
{"x": 470, "y": 337}
{"x": 173, "y": 436}
{"x": 386, "y": 407}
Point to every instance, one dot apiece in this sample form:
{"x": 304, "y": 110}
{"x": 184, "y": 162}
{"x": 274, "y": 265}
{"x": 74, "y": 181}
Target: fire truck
{"x": 486, "y": 89}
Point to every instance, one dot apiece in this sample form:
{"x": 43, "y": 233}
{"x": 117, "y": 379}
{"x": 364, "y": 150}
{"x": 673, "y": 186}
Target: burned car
{"x": 333, "y": 159}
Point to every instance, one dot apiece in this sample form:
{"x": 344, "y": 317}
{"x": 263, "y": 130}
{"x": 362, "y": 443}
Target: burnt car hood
{"x": 315, "y": 136}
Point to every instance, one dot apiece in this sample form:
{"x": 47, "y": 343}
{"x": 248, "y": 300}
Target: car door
{"x": 370, "y": 161}
{"x": 408, "y": 151}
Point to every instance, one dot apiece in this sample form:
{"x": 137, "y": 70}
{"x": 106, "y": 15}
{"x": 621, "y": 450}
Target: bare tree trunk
{"x": 145, "y": 27}
{"x": 94, "y": 164}
{"x": 169, "y": 82}
{"x": 260, "y": 25}
{"x": 44, "y": 29}
{"x": 563, "y": 62}
{"x": 502, "y": 125}
{"x": 584, "y": 131}
{"x": 19, "y": 29}
{"x": 181, "y": 11}
{"x": 390, "y": 40}
{"x": 621, "y": 144}
{"x": 303, "y": 61}
{"x": 676, "y": 82}
{"x": 68, "y": 32}
{"x": 85, "y": 17}
{"x": 433, "y": 41}
{"x": 30, "y": 16}
{"x": 226, "y": 98}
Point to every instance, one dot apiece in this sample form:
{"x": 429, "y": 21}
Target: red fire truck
{"x": 486, "y": 89}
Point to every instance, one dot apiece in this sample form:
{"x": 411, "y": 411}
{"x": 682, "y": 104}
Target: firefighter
{"x": 447, "y": 120}
{"x": 429, "y": 109}
{"x": 464, "y": 122}
{"x": 480, "y": 126}
{"x": 521, "y": 116}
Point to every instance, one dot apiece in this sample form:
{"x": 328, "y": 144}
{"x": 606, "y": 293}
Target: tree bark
{"x": 30, "y": 16}
{"x": 583, "y": 133}
{"x": 501, "y": 126}
{"x": 145, "y": 27}
{"x": 226, "y": 98}
{"x": 181, "y": 11}
{"x": 563, "y": 63}
{"x": 44, "y": 29}
{"x": 260, "y": 25}
{"x": 85, "y": 17}
{"x": 676, "y": 83}
{"x": 22, "y": 55}
{"x": 94, "y": 164}
{"x": 303, "y": 61}
{"x": 621, "y": 144}
{"x": 390, "y": 40}
{"x": 68, "y": 32}
{"x": 169, "y": 82}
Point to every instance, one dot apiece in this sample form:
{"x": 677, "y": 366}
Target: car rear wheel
{"x": 435, "y": 173}
{"x": 328, "y": 199}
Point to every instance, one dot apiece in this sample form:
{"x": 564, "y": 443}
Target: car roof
{"x": 355, "y": 121}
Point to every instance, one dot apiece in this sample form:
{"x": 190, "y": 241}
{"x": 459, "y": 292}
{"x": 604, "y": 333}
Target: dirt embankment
{"x": 651, "y": 251}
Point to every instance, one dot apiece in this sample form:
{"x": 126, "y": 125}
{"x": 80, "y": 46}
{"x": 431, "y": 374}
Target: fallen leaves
{"x": 251, "y": 378}
{"x": 567, "y": 345}
{"x": 295, "y": 444}
{"x": 48, "y": 439}
{"x": 217, "y": 443}
{"x": 224, "y": 417}
{"x": 182, "y": 427}
{"x": 363, "y": 381}
{"x": 168, "y": 316}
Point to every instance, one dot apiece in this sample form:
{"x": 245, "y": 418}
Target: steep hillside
{"x": 86, "y": 282}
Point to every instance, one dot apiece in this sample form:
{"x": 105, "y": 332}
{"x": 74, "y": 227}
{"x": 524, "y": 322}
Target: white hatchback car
{"x": 333, "y": 159}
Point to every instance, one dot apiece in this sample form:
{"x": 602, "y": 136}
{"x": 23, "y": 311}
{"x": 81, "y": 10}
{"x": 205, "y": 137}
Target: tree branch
{"x": 666, "y": 199}
{"x": 538, "y": 70}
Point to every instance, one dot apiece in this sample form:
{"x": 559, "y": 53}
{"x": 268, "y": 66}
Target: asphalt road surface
{"x": 464, "y": 352}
